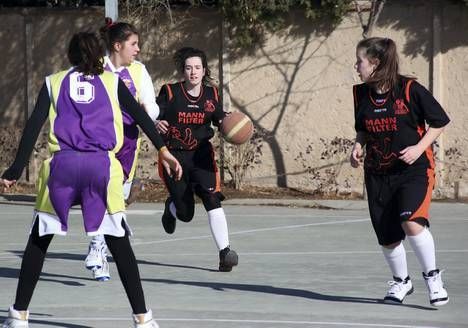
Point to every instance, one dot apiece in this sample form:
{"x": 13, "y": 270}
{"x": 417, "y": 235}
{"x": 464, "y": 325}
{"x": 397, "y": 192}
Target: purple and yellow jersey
{"x": 85, "y": 118}
{"x": 84, "y": 113}
{"x": 132, "y": 77}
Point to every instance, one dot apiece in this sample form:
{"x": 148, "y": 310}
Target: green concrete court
{"x": 299, "y": 267}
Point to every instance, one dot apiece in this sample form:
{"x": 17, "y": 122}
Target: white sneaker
{"x": 437, "y": 293}
{"x": 144, "y": 320}
{"x": 102, "y": 273}
{"x": 16, "y": 319}
{"x": 399, "y": 289}
{"x": 97, "y": 252}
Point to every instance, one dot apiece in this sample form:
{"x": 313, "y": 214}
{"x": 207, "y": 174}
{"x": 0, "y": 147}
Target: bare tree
{"x": 374, "y": 8}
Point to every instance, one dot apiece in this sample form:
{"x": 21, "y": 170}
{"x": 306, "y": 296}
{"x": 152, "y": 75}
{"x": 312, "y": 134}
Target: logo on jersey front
{"x": 386, "y": 124}
{"x": 400, "y": 107}
{"x": 406, "y": 213}
{"x": 380, "y": 110}
{"x": 209, "y": 106}
{"x": 184, "y": 136}
{"x": 128, "y": 82}
{"x": 191, "y": 118}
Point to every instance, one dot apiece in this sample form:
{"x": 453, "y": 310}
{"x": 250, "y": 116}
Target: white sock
{"x": 396, "y": 259}
{"x": 173, "y": 210}
{"x": 219, "y": 228}
{"x": 423, "y": 247}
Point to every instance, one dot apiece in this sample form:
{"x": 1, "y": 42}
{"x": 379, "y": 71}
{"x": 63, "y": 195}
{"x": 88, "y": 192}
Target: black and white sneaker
{"x": 167, "y": 219}
{"x": 227, "y": 259}
{"x": 399, "y": 289}
{"x": 438, "y": 295}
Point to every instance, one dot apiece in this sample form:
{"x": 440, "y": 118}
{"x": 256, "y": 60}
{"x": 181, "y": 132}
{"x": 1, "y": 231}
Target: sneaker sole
{"x": 440, "y": 301}
{"x": 93, "y": 265}
{"x": 102, "y": 279}
{"x": 394, "y": 300}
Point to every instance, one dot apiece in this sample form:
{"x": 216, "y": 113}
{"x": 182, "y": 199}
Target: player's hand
{"x": 357, "y": 155}
{"x": 410, "y": 154}
{"x": 170, "y": 164}
{"x": 162, "y": 126}
{"x": 7, "y": 183}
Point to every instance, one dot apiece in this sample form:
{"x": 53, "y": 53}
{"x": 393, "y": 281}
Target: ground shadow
{"x": 284, "y": 291}
{"x": 19, "y": 198}
{"x": 81, "y": 258}
{"x": 14, "y": 274}
{"x": 175, "y": 265}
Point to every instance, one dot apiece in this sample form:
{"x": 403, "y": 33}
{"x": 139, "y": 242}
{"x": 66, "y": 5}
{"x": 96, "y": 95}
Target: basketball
{"x": 237, "y": 128}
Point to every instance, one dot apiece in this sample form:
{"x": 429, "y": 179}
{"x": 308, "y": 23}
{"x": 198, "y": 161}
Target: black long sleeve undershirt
{"x": 139, "y": 115}
{"x": 41, "y": 112}
{"x": 30, "y": 134}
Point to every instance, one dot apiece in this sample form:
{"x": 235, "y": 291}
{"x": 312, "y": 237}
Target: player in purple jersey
{"x": 122, "y": 44}
{"x": 188, "y": 110}
{"x": 82, "y": 170}
{"x": 391, "y": 113}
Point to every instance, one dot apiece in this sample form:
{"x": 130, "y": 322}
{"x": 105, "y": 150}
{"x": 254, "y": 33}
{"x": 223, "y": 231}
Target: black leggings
{"x": 33, "y": 260}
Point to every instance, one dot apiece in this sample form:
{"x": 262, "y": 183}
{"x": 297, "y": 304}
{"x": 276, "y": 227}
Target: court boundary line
{"x": 280, "y": 322}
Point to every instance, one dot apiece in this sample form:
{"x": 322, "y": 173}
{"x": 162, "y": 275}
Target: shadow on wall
{"x": 37, "y": 41}
{"x": 453, "y": 16}
{"x": 304, "y": 43}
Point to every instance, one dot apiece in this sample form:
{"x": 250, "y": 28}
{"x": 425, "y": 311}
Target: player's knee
{"x": 211, "y": 201}
{"x": 185, "y": 213}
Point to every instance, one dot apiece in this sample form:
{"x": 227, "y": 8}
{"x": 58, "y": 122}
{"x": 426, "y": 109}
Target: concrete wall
{"x": 296, "y": 87}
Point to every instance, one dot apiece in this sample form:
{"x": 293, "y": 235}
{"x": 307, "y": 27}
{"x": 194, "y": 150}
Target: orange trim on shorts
{"x": 423, "y": 210}
{"x": 218, "y": 175}
{"x": 429, "y": 152}
{"x": 169, "y": 92}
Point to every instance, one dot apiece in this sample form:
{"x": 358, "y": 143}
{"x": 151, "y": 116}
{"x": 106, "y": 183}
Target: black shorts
{"x": 396, "y": 198}
{"x": 200, "y": 176}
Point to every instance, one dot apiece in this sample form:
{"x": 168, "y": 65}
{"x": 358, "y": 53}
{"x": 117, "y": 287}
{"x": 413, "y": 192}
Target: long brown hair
{"x": 383, "y": 52}
{"x": 85, "y": 52}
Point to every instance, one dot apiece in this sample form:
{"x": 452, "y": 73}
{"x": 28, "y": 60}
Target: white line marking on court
{"x": 276, "y": 322}
{"x": 254, "y": 230}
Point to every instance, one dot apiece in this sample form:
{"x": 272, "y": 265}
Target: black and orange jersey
{"x": 394, "y": 121}
{"x": 190, "y": 118}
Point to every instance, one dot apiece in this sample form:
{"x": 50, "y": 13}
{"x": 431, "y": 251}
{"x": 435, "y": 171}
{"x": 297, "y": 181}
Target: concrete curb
{"x": 29, "y": 199}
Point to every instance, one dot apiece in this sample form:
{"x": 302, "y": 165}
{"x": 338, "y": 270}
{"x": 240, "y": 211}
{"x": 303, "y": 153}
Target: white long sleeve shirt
{"x": 147, "y": 96}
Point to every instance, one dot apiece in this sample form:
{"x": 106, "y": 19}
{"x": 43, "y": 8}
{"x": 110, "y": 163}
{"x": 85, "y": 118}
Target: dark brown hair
{"x": 112, "y": 33}
{"x": 383, "y": 52}
{"x": 85, "y": 53}
{"x": 181, "y": 56}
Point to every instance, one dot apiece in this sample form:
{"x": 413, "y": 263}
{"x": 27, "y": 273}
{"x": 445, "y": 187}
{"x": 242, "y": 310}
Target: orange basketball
{"x": 237, "y": 128}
